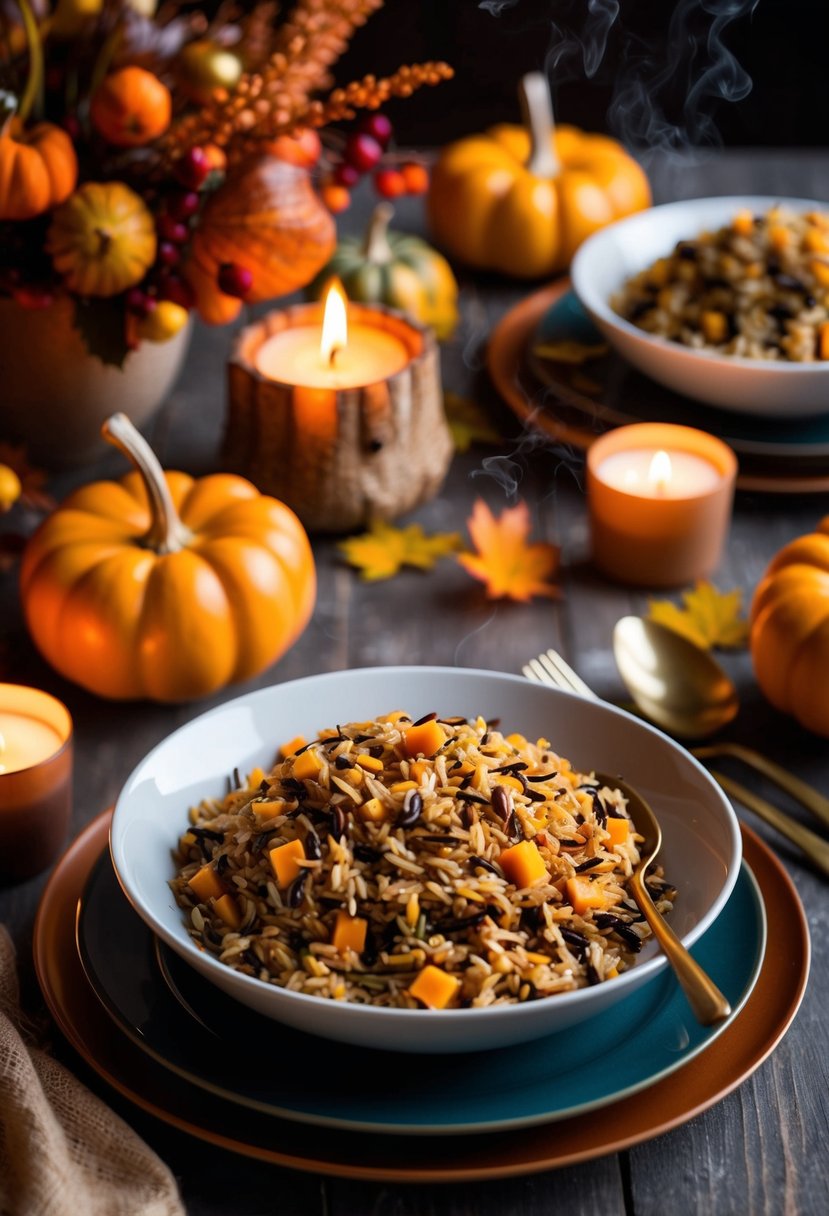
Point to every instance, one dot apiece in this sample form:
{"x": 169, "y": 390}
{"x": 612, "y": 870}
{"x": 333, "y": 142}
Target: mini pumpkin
{"x": 521, "y": 200}
{"x": 266, "y": 218}
{"x": 163, "y": 586}
{"x": 131, "y": 107}
{"x": 38, "y": 169}
{"x": 392, "y": 268}
{"x": 102, "y": 240}
{"x": 790, "y": 630}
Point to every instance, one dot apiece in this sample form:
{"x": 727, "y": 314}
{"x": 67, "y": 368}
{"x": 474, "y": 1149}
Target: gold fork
{"x": 551, "y": 668}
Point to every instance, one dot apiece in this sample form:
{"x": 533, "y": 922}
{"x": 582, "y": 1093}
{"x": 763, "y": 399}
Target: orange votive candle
{"x": 35, "y": 780}
{"x": 659, "y": 499}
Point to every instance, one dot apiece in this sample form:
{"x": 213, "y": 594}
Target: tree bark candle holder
{"x": 339, "y": 456}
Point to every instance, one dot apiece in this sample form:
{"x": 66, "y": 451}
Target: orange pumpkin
{"x": 521, "y": 200}
{"x": 212, "y": 305}
{"x": 163, "y": 586}
{"x": 38, "y": 169}
{"x": 790, "y": 630}
{"x": 131, "y": 107}
{"x": 266, "y": 218}
{"x": 102, "y": 240}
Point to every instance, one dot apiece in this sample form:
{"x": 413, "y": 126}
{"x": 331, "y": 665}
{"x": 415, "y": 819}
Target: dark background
{"x": 783, "y": 46}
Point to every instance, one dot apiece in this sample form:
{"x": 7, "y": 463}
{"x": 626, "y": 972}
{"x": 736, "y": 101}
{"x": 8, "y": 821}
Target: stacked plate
{"x": 137, "y": 1009}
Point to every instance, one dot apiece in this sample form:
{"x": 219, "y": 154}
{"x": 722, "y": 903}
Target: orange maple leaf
{"x": 504, "y": 561}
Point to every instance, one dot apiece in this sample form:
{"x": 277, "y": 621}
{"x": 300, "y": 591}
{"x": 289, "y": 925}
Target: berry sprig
{"x": 366, "y": 151}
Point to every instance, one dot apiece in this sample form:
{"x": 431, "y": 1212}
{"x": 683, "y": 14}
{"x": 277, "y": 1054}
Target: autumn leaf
{"x": 504, "y": 561}
{"x": 380, "y": 552}
{"x": 468, "y": 423}
{"x": 709, "y": 618}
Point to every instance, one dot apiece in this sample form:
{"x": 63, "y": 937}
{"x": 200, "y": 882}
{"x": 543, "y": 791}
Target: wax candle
{"x": 335, "y": 354}
{"x": 35, "y": 780}
{"x": 659, "y": 499}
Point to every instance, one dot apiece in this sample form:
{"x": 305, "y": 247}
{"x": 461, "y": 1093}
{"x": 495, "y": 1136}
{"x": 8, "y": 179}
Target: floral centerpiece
{"x": 158, "y": 161}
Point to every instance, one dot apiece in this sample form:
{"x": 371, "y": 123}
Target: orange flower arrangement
{"x": 133, "y": 143}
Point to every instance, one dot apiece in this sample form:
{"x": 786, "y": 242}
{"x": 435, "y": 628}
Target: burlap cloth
{"x": 62, "y": 1151}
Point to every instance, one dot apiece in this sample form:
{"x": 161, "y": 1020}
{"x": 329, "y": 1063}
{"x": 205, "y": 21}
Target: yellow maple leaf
{"x": 468, "y": 423}
{"x": 709, "y": 618}
{"x": 380, "y": 552}
{"x": 504, "y": 561}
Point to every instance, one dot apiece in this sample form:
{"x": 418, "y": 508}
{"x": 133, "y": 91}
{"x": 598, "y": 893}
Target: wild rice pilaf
{"x": 757, "y": 288}
{"x": 435, "y": 863}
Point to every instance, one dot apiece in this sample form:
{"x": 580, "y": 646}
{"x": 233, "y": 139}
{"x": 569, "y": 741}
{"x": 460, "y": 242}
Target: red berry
{"x": 346, "y": 175}
{"x": 416, "y": 177}
{"x": 172, "y": 230}
{"x": 234, "y": 280}
{"x": 389, "y": 183}
{"x": 138, "y": 301}
{"x": 362, "y": 152}
{"x": 30, "y": 295}
{"x": 171, "y": 287}
{"x": 193, "y": 168}
{"x": 378, "y": 127}
{"x": 182, "y": 206}
{"x": 169, "y": 254}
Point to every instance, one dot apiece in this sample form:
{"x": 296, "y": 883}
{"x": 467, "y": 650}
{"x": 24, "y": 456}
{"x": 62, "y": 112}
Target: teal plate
{"x": 626, "y": 395}
{"x": 200, "y": 1034}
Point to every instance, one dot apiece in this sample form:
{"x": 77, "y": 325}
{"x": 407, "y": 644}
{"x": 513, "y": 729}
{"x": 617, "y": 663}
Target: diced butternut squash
{"x": 523, "y": 864}
{"x": 511, "y": 783}
{"x": 255, "y": 778}
{"x": 418, "y": 771}
{"x": 400, "y": 787}
{"x": 424, "y": 740}
{"x": 227, "y": 907}
{"x": 271, "y": 808}
{"x": 435, "y": 988}
{"x": 823, "y": 341}
{"x": 779, "y": 237}
{"x": 743, "y": 223}
{"x": 517, "y": 741}
{"x": 584, "y": 894}
{"x": 821, "y": 271}
{"x": 306, "y": 766}
{"x": 816, "y": 241}
{"x": 373, "y": 810}
{"x": 349, "y": 933}
{"x": 394, "y": 717}
{"x": 372, "y": 764}
{"x": 285, "y": 859}
{"x": 207, "y": 884}
{"x": 618, "y": 830}
{"x": 714, "y": 325}
{"x": 292, "y": 746}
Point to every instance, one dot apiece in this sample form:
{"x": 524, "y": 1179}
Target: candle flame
{"x": 334, "y": 322}
{"x": 660, "y": 471}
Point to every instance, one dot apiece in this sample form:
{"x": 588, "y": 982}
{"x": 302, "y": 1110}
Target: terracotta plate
{"x": 721, "y": 1068}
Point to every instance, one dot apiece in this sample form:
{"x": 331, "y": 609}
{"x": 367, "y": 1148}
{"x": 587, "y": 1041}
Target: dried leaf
{"x": 709, "y": 618}
{"x": 468, "y": 423}
{"x": 567, "y": 350}
{"x": 32, "y": 480}
{"x": 380, "y": 552}
{"x": 509, "y": 566}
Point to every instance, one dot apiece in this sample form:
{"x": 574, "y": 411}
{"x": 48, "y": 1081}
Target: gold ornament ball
{"x": 204, "y": 66}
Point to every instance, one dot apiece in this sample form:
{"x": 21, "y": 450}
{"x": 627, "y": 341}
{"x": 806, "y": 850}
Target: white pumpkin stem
{"x": 537, "y": 107}
{"x": 167, "y": 534}
{"x": 376, "y": 247}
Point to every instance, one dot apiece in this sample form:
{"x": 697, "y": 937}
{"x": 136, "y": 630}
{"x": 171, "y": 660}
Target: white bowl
{"x": 610, "y": 257}
{"x": 701, "y": 851}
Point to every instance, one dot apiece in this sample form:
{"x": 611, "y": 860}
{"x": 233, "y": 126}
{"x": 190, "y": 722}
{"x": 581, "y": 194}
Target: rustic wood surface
{"x": 763, "y": 1149}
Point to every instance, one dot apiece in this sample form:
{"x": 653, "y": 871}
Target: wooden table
{"x": 761, "y": 1150}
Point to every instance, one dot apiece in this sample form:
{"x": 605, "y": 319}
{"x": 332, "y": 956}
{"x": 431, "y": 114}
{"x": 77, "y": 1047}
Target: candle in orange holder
{"x": 337, "y": 409}
{"x": 35, "y": 780}
{"x": 660, "y": 500}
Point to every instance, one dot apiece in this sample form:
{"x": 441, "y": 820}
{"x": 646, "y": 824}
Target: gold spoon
{"x": 683, "y": 690}
{"x": 707, "y": 1002}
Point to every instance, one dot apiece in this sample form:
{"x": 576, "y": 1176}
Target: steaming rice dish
{"x": 437, "y": 863}
{"x": 757, "y": 288}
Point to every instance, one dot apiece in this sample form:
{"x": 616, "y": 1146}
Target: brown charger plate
{"x": 738, "y": 1051}
{"x": 569, "y": 416}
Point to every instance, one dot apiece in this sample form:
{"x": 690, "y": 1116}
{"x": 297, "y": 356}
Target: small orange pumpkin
{"x": 131, "y": 107}
{"x": 267, "y": 219}
{"x": 212, "y": 305}
{"x": 165, "y": 586}
{"x": 38, "y": 169}
{"x": 790, "y": 630}
{"x": 521, "y": 201}
{"x": 102, "y": 240}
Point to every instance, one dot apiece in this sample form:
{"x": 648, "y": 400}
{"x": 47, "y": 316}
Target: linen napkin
{"x": 62, "y": 1151}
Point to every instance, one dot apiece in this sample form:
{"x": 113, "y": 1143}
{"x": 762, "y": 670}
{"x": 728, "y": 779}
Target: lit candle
{"x": 334, "y": 355}
{"x": 660, "y": 503}
{"x": 35, "y": 779}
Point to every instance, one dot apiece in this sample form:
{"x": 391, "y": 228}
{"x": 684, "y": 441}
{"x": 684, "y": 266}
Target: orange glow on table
{"x": 659, "y": 499}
